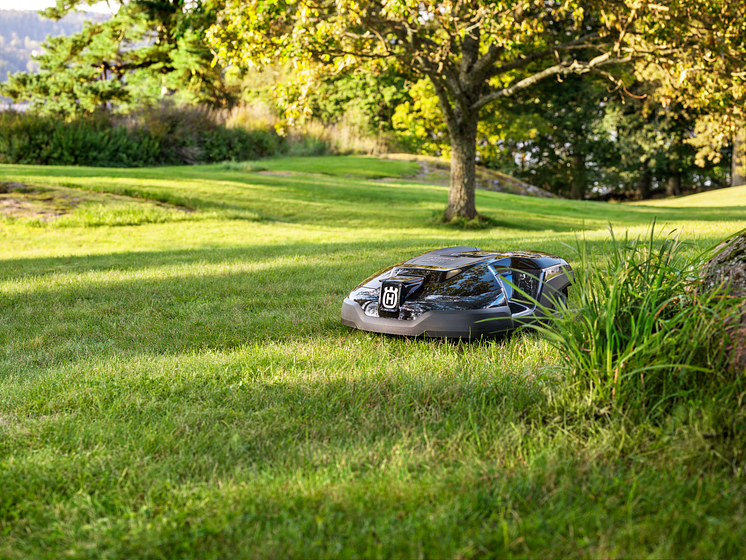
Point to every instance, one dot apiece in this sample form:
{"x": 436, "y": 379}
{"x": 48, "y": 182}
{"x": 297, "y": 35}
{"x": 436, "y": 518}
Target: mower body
{"x": 459, "y": 292}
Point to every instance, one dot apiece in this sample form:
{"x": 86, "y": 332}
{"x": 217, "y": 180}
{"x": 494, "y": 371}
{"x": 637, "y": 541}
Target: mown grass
{"x": 184, "y": 389}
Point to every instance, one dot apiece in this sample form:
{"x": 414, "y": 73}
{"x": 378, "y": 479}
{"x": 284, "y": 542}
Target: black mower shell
{"x": 459, "y": 292}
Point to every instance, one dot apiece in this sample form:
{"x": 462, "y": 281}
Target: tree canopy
{"x": 475, "y": 53}
{"x": 150, "y": 47}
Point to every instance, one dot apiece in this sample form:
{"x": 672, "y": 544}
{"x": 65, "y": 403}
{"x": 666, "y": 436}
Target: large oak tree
{"x": 474, "y": 52}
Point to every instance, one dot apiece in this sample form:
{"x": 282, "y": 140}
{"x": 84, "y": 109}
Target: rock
{"x": 10, "y": 187}
{"x": 728, "y": 269}
{"x": 736, "y": 330}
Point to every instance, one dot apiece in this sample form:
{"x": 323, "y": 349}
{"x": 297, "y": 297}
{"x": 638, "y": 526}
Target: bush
{"x": 163, "y": 135}
{"x": 642, "y": 338}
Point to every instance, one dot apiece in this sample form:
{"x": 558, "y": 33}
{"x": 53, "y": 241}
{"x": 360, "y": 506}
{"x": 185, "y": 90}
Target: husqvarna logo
{"x": 390, "y": 297}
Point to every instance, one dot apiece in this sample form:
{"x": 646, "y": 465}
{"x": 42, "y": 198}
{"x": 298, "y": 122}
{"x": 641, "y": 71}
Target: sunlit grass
{"x": 722, "y": 198}
{"x": 185, "y": 389}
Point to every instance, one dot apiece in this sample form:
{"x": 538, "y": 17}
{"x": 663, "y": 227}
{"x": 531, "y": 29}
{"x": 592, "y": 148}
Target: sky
{"x": 41, "y": 4}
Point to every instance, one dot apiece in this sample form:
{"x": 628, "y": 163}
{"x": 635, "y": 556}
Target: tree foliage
{"x": 570, "y": 148}
{"x": 576, "y": 135}
{"x": 149, "y": 48}
{"x": 23, "y": 31}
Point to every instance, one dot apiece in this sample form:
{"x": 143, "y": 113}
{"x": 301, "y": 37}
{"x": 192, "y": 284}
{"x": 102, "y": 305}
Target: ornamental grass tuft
{"x": 640, "y": 336}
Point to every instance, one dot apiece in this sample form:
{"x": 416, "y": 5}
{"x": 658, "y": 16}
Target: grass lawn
{"x": 175, "y": 382}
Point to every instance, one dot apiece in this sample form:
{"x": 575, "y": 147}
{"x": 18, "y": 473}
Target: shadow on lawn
{"x": 187, "y": 462}
{"x": 281, "y": 446}
{"x": 533, "y": 214}
{"x": 185, "y": 451}
{"x": 183, "y": 456}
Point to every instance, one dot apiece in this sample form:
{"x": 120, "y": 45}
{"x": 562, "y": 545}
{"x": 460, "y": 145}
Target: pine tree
{"x": 148, "y": 50}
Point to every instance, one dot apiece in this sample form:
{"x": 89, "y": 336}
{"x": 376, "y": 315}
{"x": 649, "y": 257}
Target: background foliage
{"x": 581, "y": 138}
{"x": 162, "y": 135}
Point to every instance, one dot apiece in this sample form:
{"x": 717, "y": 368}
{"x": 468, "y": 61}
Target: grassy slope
{"x": 184, "y": 389}
{"x": 721, "y": 198}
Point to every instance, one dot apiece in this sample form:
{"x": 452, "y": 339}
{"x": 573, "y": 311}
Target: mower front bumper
{"x": 473, "y": 323}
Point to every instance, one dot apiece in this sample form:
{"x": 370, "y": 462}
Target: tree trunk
{"x": 673, "y": 185}
{"x": 738, "y": 172}
{"x": 461, "y": 195}
{"x": 643, "y": 185}
{"x": 579, "y": 177}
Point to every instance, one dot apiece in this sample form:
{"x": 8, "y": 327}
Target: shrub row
{"x": 157, "y": 136}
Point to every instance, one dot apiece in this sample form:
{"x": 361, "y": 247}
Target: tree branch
{"x": 562, "y": 69}
{"x": 521, "y": 62}
{"x": 469, "y": 54}
{"x": 445, "y": 103}
{"x": 488, "y": 59}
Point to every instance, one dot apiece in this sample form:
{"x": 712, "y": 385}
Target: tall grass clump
{"x": 312, "y": 137}
{"x": 642, "y": 335}
{"x": 192, "y": 134}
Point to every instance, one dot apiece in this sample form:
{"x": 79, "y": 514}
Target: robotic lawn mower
{"x": 459, "y": 292}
